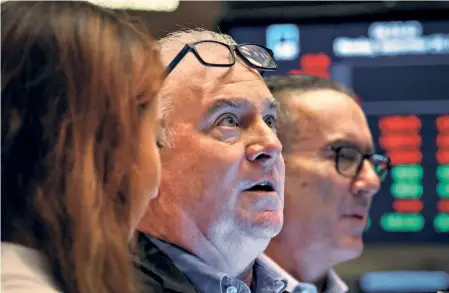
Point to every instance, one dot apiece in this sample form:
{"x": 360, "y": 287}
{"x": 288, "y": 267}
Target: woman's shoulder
{"x": 24, "y": 270}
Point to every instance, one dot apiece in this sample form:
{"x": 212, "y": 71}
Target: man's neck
{"x": 233, "y": 254}
{"x": 304, "y": 265}
{"x": 312, "y": 272}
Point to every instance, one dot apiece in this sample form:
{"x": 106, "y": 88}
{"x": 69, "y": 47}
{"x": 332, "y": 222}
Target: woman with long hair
{"x": 80, "y": 159}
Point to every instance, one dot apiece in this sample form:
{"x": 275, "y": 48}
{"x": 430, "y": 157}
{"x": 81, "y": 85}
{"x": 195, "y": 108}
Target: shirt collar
{"x": 334, "y": 284}
{"x": 208, "y": 280}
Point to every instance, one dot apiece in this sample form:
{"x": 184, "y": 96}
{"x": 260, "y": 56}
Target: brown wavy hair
{"x": 75, "y": 80}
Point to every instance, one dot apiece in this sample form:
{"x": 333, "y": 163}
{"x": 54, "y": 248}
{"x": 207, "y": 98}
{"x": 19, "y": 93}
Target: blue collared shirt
{"x": 207, "y": 279}
{"x": 334, "y": 284}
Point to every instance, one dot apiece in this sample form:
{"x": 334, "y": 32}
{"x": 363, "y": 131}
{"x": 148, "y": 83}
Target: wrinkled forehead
{"x": 331, "y": 116}
{"x": 197, "y": 83}
{"x": 238, "y": 81}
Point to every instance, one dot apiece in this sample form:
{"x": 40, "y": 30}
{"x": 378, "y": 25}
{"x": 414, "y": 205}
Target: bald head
{"x": 302, "y": 97}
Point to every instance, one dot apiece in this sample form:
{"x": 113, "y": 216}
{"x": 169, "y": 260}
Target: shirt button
{"x": 231, "y": 289}
{"x": 226, "y": 281}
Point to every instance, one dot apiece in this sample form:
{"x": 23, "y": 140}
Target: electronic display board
{"x": 400, "y": 71}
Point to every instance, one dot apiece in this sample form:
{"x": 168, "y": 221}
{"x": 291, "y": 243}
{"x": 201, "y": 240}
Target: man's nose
{"x": 367, "y": 182}
{"x": 264, "y": 145}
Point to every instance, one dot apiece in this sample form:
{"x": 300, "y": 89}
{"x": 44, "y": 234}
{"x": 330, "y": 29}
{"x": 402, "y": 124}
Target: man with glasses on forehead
{"x": 332, "y": 174}
{"x": 222, "y": 188}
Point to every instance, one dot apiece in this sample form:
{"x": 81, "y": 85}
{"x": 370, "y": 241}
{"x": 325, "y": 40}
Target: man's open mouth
{"x": 263, "y": 186}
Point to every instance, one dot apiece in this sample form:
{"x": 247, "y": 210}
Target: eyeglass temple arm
{"x": 177, "y": 59}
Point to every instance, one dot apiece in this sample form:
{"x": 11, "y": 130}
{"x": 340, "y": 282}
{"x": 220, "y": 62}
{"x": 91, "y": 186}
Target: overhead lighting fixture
{"x": 147, "y": 5}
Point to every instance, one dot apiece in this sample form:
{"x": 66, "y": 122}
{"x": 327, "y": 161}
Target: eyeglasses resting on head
{"x": 254, "y": 56}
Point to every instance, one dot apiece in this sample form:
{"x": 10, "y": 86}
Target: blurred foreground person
{"x": 332, "y": 174}
{"x": 79, "y": 156}
{"x": 222, "y": 189}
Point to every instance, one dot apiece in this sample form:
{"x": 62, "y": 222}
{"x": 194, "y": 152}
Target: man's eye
{"x": 228, "y": 121}
{"x": 271, "y": 121}
{"x": 349, "y": 156}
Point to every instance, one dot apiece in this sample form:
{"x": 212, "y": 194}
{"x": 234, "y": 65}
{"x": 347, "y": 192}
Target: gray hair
{"x": 169, "y": 46}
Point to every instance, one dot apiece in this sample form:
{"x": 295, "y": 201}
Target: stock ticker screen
{"x": 400, "y": 71}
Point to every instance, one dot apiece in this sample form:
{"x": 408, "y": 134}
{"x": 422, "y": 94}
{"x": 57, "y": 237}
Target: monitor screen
{"x": 400, "y": 71}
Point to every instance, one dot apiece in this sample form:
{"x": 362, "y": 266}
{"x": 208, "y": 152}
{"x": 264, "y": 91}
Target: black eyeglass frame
{"x": 234, "y": 49}
{"x": 370, "y": 156}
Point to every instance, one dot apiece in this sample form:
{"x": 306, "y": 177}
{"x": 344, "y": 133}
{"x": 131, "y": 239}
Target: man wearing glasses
{"x": 222, "y": 188}
{"x": 332, "y": 175}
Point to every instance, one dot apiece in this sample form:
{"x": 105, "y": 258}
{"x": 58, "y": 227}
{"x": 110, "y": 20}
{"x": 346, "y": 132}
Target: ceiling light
{"x": 148, "y": 5}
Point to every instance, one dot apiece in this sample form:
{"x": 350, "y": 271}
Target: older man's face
{"x": 224, "y": 170}
{"x": 324, "y": 210}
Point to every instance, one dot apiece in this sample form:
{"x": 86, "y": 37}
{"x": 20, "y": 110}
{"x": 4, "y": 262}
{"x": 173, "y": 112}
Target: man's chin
{"x": 350, "y": 246}
{"x": 266, "y": 224}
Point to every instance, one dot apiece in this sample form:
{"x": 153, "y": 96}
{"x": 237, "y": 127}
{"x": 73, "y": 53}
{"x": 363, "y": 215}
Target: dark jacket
{"x": 156, "y": 272}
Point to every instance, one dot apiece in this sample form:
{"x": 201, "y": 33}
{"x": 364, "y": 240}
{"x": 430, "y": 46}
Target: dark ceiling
{"x": 214, "y": 14}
